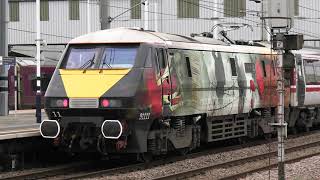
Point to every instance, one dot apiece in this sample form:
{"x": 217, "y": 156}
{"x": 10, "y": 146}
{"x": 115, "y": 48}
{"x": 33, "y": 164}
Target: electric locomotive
{"x": 134, "y": 91}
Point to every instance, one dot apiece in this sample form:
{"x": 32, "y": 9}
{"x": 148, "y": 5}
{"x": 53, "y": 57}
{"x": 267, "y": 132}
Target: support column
{"x": 216, "y": 19}
{"x": 281, "y": 125}
{"x": 146, "y": 15}
{"x": 156, "y": 19}
{"x": 88, "y": 17}
{"x": 280, "y": 117}
{"x": 3, "y": 52}
{"x": 38, "y": 40}
{"x": 105, "y": 18}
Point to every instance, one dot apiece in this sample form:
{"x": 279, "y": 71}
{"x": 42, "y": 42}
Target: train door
{"x": 233, "y": 83}
{"x": 164, "y": 74}
{"x": 301, "y": 82}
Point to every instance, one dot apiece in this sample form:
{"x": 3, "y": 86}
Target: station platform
{"x": 21, "y": 124}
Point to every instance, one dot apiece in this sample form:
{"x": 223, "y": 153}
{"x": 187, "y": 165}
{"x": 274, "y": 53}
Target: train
{"x": 26, "y": 82}
{"x": 133, "y": 91}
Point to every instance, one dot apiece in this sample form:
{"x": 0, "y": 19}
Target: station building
{"x": 62, "y": 20}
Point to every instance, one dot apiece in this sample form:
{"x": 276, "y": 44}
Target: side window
{"x": 44, "y": 10}
{"x": 136, "y": 9}
{"x": 162, "y": 58}
{"x": 188, "y": 66}
{"x": 74, "y": 10}
{"x": 296, "y": 7}
{"x": 234, "y": 8}
{"x": 274, "y": 68}
{"x": 148, "y": 62}
{"x": 188, "y": 8}
{"x": 264, "y": 68}
{"x": 309, "y": 72}
{"x": 317, "y": 70}
{"x": 157, "y": 60}
{"x": 316, "y": 65}
{"x": 233, "y": 67}
{"x": 14, "y": 11}
{"x": 249, "y": 67}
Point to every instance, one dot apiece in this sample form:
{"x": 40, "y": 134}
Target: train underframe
{"x": 180, "y": 134}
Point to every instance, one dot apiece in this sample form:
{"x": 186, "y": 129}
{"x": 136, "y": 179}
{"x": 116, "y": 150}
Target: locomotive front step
{"x": 49, "y": 128}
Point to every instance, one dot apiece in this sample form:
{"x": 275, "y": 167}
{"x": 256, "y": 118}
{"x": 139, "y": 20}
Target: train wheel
{"x": 183, "y": 151}
{"x": 243, "y": 140}
{"x": 267, "y": 135}
{"x": 294, "y": 130}
{"x": 144, "y": 157}
{"x": 307, "y": 129}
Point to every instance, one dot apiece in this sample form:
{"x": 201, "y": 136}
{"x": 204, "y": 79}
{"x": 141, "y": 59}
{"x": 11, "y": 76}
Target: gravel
{"x": 220, "y": 173}
{"x": 308, "y": 169}
{"x": 207, "y": 160}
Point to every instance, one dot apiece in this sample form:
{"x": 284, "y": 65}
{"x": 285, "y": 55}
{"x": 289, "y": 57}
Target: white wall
{"x": 60, "y": 25}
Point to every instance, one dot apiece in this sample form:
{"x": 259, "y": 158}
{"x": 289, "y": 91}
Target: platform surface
{"x": 20, "y": 125}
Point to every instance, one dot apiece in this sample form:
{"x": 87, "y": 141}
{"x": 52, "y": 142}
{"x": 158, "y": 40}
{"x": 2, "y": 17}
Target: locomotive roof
{"x": 127, "y": 35}
{"x": 130, "y": 35}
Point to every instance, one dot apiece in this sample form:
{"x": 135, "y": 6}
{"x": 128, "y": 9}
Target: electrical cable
{"x": 304, "y": 7}
{"x": 46, "y": 34}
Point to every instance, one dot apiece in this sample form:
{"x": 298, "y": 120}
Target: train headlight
{"x": 110, "y": 103}
{"x": 59, "y": 103}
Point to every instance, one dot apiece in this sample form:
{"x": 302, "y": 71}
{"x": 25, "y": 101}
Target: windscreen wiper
{"x": 108, "y": 63}
{"x": 88, "y": 64}
{"x": 105, "y": 63}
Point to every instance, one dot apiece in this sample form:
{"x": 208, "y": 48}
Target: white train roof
{"x": 127, "y": 35}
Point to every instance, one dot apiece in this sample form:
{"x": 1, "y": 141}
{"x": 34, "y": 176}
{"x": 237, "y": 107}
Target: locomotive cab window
{"x": 118, "y": 57}
{"x": 81, "y": 57}
{"x": 99, "y": 57}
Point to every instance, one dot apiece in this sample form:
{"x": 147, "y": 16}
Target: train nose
{"x": 49, "y": 128}
{"x": 111, "y": 129}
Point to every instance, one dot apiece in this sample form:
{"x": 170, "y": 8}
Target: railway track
{"x": 46, "y": 172}
{"x": 253, "y": 160}
{"x": 86, "y": 170}
{"x": 229, "y": 164}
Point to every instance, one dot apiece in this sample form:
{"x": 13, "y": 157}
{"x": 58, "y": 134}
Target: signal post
{"x": 283, "y": 43}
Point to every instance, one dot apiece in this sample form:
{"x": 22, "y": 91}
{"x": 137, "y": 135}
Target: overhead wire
{"x": 311, "y": 9}
{"x": 46, "y": 34}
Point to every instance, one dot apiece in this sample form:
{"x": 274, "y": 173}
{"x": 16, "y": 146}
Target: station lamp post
{"x": 38, "y": 41}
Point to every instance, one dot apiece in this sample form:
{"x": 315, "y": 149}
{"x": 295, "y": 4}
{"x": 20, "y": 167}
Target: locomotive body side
{"x": 221, "y": 87}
